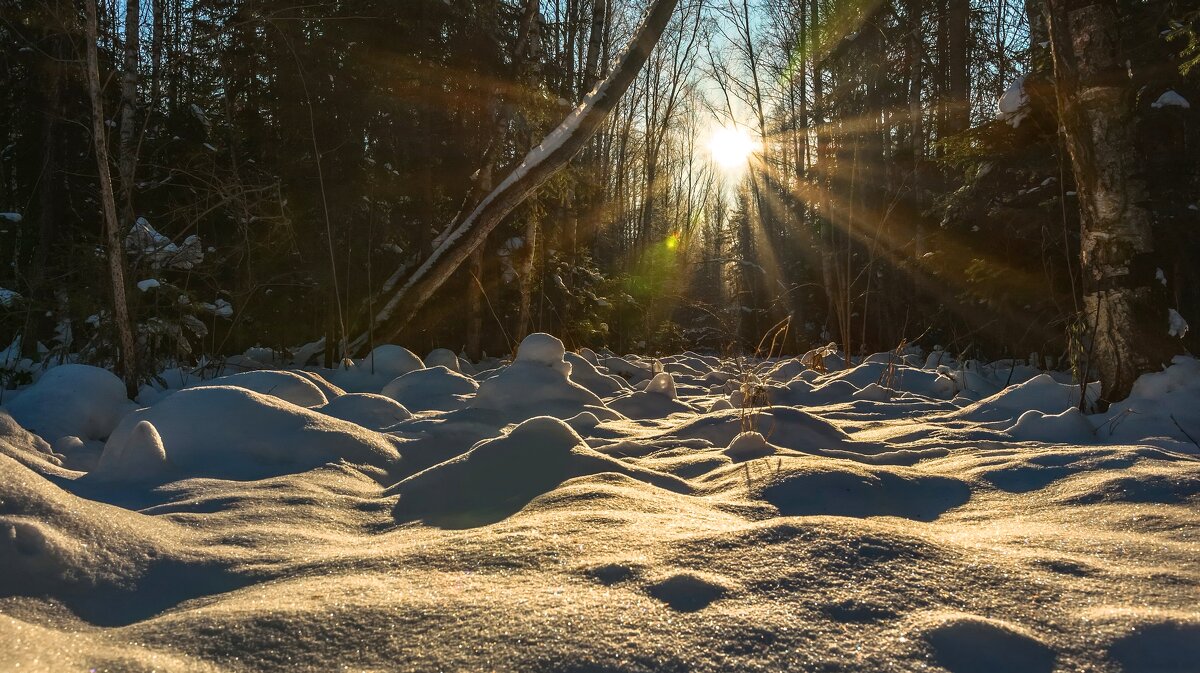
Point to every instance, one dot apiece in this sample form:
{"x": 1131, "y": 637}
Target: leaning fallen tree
{"x": 542, "y": 162}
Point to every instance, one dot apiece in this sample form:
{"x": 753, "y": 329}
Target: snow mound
{"x": 1151, "y": 482}
{"x": 811, "y": 486}
{"x": 788, "y": 427}
{"x": 498, "y": 477}
{"x": 971, "y": 644}
{"x": 786, "y": 370}
{"x": 543, "y": 349}
{"x": 18, "y": 443}
{"x": 390, "y": 361}
{"x": 633, "y": 372}
{"x": 443, "y": 357}
{"x": 582, "y": 422}
{"x": 662, "y": 384}
{"x": 720, "y": 404}
{"x": 331, "y": 391}
{"x": 1068, "y": 427}
{"x": 584, "y": 372}
{"x": 1163, "y": 409}
{"x": 657, "y": 400}
{"x": 748, "y": 446}
{"x": 873, "y": 392}
{"x": 374, "y": 412}
{"x": 91, "y": 556}
{"x": 538, "y": 384}
{"x": 72, "y": 400}
{"x": 141, "y": 457}
{"x": 287, "y": 386}
{"x": 1040, "y": 393}
{"x": 433, "y": 389}
{"x": 895, "y": 375}
{"x": 234, "y": 433}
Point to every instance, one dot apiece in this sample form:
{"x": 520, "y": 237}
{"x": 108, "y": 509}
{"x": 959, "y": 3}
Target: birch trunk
{"x": 539, "y": 166}
{"x": 1125, "y": 308}
{"x": 112, "y": 228}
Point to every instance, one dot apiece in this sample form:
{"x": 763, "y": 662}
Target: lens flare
{"x": 730, "y": 147}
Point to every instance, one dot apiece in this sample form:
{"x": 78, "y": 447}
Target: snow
{"x": 542, "y": 349}
{"x": 592, "y": 512}
{"x": 748, "y": 446}
{"x": 1170, "y": 98}
{"x": 431, "y": 389}
{"x": 147, "y": 284}
{"x": 585, "y": 373}
{"x": 1176, "y": 325}
{"x": 589, "y": 112}
{"x": 1013, "y": 105}
{"x": 9, "y": 297}
{"x": 1161, "y": 410}
{"x": 963, "y": 642}
{"x": 234, "y": 433}
{"x": 141, "y": 457}
{"x": 14, "y": 218}
{"x": 147, "y": 245}
{"x": 538, "y": 381}
{"x": 1041, "y": 393}
{"x": 220, "y": 308}
{"x": 391, "y": 361}
{"x": 443, "y": 357}
{"x": 1066, "y": 427}
{"x": 72, "y": 400}
{"x": 288, "y": 386}
{"x": 374, "y": 412}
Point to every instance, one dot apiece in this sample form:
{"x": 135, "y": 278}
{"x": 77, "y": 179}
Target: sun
{"x": 730, "y": 147}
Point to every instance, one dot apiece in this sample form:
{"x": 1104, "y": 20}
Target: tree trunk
{"x": 49, "y": 99}
{"x": 112, "y": 228}
{"x": 126, "y": 149}
{"x": 474, "y": 346}
{"x": 591, "y": 70}
{"x": 539, "y": 165}
{"x": 1125, "y": 308}
{"x": 959, "y": 76}
{"x": 158, "y": 22}
{"x": 916, "y": 120}
{"x": 526, "y": 277}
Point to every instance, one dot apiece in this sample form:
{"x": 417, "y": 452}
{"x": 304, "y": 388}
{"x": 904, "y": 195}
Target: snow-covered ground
{"x": 589, "y": 512}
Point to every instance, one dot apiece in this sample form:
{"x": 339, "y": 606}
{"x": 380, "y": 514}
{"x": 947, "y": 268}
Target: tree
{"x": 113, "y": 244}
{"x": 539, "y": 165}
{"x": 1124, "y": 305}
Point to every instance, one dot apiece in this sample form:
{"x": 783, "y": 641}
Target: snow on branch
{"x": 539, "y": 165}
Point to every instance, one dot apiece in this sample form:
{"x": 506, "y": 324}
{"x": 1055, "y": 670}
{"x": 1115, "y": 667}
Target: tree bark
{"x": 1124, "y": 307}
{"x": 112, "y": 228}
{"x": 591, "y": 70}
{"x": 959, "y": 75}
{"x": 526, "y": 277}
{"x": 50, "y": 100}
{"x": 158, "y": 22}
{"x": 126, "y": 148}
{"x": 916, "y": 120}
{"x": 539, "y": 165}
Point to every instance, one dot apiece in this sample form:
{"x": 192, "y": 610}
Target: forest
{"x": 276, "y": 168}
{"x": 599, "y": 336}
